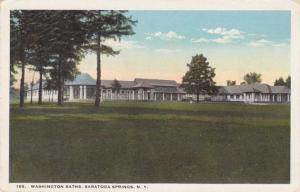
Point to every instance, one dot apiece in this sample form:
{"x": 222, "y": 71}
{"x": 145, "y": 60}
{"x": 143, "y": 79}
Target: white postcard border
{"x": 293, "y": 6}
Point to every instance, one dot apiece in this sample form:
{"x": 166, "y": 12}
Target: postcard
{"x": 139, "y": 96}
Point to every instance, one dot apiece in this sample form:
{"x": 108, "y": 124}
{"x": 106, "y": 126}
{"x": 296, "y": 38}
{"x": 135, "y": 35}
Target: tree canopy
{"x": 252, "y": 77}
{"x": 199, "y": 77}
{"x": 230, "y": 83}
{"x": 53, "y": 42}
{"x": 116, "y": 86}
{"x": 101, "y": 26}
{"x": 282, "y": 82}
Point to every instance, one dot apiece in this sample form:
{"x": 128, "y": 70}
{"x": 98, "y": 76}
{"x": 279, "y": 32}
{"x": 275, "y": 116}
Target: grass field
{"x": 150, "y": 142}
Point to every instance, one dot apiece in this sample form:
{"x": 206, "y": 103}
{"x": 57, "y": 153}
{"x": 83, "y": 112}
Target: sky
{"x": 234, "y": 42}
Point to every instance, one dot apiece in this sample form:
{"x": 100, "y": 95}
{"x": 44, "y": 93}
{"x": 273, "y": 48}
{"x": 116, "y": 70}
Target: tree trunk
{"x": 62, "y": 88}
{"x": 40, "y": 87}
{"x": 31, "y": 84}
{"x": 198, "y": 97}
{"x": 22, "y": 85}
{"x": 98, "y": 83}
{"x": 59, "y": 93}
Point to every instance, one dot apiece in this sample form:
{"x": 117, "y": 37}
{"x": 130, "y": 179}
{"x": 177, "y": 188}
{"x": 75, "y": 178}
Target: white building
{"x": 83, "y": 88}
{"x": 258, "y": 92}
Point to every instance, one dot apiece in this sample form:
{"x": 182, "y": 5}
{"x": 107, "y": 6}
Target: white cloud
{"x": 279, "y": 45}
{"x": 222, "y": 40}
{"x": 171, "y": 35}
{"x": 148, "y": 38}
{"x": 200, "y": 40}
{"x": 122, "y": 44}
{"x": 264, "y": 42}
{"x": 259, "y": 43}
{"x": 226, "y": 33}
{"x": 167, "y": 50}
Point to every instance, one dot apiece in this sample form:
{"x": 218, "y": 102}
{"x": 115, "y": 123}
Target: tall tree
{"x": 251, "y": 78}
{"x": 41, "y": 50}
{"x": 230, "y": 83}
{"x": 19, "y": 42}
{"x": 103, "y": 25}
{"x": 67, "y": 35}
{"x": 199, "y": 78}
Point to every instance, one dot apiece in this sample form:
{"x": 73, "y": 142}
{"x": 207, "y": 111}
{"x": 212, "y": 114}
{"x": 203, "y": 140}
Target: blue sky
{"x": 190, "y": 24}
{"x": 234, "y": 42}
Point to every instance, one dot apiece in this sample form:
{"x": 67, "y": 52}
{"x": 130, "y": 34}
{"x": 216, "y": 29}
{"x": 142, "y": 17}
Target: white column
{"x": 71, "y": 93}
{"x": 280, "y": 98}
{"x": 80, "y": 92}
{"x": 133, "y": 95}
{"x": 84, "y": 92}
{"x": 155, "y": 96}
{"x": 163, "y": 96}
{"x": 178, "y": 97}
{"x": 171, "y": 97}
{"x": 143, "y": 94}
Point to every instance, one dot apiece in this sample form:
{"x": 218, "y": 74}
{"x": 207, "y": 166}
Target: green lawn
{"x": 150, "y": 142}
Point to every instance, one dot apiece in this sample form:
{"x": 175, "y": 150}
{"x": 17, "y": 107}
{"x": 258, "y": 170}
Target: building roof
{"x": 280, "y": 89}
{"x": 171, "y": 86}
{"x": 124, "y": 84}
{"x": 156, "y": 82}
{"x": 253, "y": 88}
{"x": 82, "y": 79}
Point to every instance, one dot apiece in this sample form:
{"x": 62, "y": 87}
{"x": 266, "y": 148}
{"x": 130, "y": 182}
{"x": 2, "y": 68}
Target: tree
{"x": 41, "y": 50}
{"x": 288, "y": 81}
{"x": 230, "y": 83}
{"x": 199, "y": 78}
{"x": 103, "y": 25}
{"x": 67, "y": 35}
{"x": 279, "y": 81}
{"x": 251, "y": 78}
{"x": 116, "y": 86}
{"x": 20, "y": 40}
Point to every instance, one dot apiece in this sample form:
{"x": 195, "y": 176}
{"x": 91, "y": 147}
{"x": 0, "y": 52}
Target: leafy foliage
{"x": 199, "y": 78}
{"x": 252, "y": 77}
{"x": 282, "y": 82}
{"x": 54, "y": 42}
{"x": 230, "y": 83}
{"x": 103, "y": 25}
{"x": 116, "y": 86}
